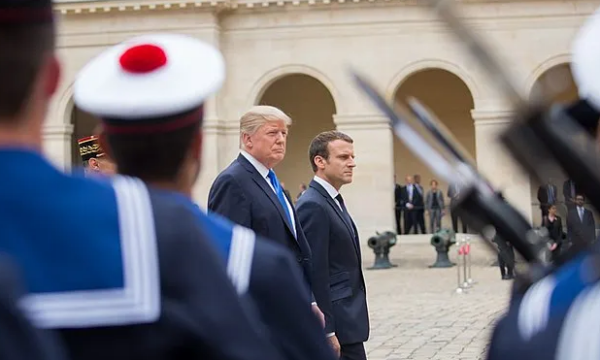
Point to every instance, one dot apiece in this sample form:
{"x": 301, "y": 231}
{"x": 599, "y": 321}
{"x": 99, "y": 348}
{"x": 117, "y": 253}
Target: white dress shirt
{"x": 329, "y": 188}
{"x": 264, "y": 172}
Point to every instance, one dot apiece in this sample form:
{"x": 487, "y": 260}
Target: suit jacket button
{"x": 299, "y": 259}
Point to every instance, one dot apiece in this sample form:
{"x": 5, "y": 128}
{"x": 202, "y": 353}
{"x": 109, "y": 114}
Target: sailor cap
{"x": 585, "y": 66}
{"x": 149, "y": 77}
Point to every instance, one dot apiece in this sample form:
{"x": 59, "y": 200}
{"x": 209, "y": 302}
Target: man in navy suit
{"x": 338, "y": 280}
{"x": 249, "y": 193}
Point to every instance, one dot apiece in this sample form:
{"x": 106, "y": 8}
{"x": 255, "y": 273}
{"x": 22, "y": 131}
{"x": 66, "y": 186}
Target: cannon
{"x": 381, "y": 244}
{"x": 442, "y": 241}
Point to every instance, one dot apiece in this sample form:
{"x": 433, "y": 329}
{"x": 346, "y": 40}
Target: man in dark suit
{"x": 581, "y": 226}
{"x": 413, "y": 203}
{"x": 569, "y": 193}
{"x": 337, "y": 275}
{"x": 419, "y": 204}
{"x": 398, "y": 206}
{"x": 453, "y": 193}
{"x": 248, "y": 192}
{"x": 547, "y": 195}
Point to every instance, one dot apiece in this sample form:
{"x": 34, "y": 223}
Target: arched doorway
{"x": 449, "y": 98}
{"x": 311, "y": 106}
{"x": 83, "y": 125}
{"x": 557, "y": 85}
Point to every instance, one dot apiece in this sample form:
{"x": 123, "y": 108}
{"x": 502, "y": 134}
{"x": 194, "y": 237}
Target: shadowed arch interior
{"x": 449, "y": 98}
{"x": 311, "y": 106}
{"x": 557, "y": 85}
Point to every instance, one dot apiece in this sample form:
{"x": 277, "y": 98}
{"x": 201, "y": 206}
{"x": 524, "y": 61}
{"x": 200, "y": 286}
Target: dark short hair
{"x": 319, "y": 145}
{"x": 152, "y": 157}
{"x": 23, "y": 49}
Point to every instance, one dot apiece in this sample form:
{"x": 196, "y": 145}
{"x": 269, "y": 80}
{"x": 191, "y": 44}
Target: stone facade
{"x": 266, "y": 42}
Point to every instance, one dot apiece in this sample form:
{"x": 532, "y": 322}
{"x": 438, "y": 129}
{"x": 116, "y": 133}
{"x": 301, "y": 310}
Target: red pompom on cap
{"x": 142, "y": 59}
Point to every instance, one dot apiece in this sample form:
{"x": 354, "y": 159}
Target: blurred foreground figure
{"x": 559, "y": 316}
{"x": 263, "y": 272}
{"x": 144, "y": 283}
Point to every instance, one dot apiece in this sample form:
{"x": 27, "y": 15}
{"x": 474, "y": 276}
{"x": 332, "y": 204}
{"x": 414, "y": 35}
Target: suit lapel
{"x": 338, "y": 211}
{"x": 262, "y": 184}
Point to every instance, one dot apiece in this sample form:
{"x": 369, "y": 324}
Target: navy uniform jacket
{"x": 339, "y": 285}
{"x": 268, "y": 274}
{"x": 558, "y": 318}
{"x": 19, "y": 340}
{"x": 243, "y": 196}
{"x": 119, "y": 271}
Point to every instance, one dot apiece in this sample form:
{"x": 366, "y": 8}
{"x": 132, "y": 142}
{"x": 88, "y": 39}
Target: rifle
{"x": 478, "y": 204}
{"x": 541, "y": 137}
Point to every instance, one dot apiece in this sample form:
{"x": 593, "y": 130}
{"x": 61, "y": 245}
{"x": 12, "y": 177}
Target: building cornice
{"x": 65, "y": 7}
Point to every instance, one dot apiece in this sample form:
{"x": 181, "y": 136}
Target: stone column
{"x": 496, "y": 164}
{"x": 209, "y": 153}
{"x": 212, "y": 121}
{"x": 57, "y": 144}
{"x": 370, "y": 197}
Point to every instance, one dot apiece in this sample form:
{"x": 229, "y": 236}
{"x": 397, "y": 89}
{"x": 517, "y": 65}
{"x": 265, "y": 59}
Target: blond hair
{"x": 258, "y": 116}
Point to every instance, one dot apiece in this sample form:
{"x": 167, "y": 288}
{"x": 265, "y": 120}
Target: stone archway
{"x": 555, "y": 84}
{"x": 83, "y": 125}
{"x": 311, "y": 106}
{"x": 449, "y": 98}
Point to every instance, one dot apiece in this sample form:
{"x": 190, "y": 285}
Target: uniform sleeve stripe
{"x": 138, "y": 301}
{"x": 239, "y": 264}
{"x": 535, "y": 307}
{"x": 578, "y": 339}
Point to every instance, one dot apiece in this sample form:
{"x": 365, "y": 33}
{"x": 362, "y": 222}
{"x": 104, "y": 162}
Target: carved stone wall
{"x": 263, "y": 41}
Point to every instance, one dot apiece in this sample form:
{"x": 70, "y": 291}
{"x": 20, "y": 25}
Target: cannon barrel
{"x": 442, "y": 241}
{"x": 381, "y": 244}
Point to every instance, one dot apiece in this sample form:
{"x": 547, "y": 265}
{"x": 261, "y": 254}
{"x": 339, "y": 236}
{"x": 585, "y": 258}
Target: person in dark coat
{"x": 339, "y": 284}
{"x": 249, "y": 193}
{"x": 581, "y": 226}
{"x": 506, "y": 253}
{"x": 553, "y": 223}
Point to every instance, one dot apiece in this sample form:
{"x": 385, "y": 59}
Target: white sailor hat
{"x": 149, "y": 77}
{"x": 585, "y": 66}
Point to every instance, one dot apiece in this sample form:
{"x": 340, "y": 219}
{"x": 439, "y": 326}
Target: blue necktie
{"x": 273, "y": 178}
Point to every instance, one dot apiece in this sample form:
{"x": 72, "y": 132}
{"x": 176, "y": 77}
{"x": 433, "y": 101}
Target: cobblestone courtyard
{"x": 416, "y": 314}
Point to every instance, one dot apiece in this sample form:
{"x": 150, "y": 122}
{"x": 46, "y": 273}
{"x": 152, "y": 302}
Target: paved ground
{"x": 416, "y": 313}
